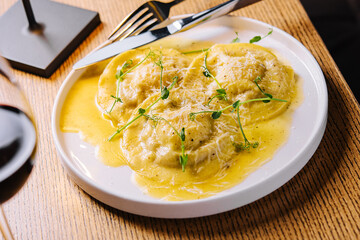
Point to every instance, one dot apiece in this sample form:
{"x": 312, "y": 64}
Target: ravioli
{"x": 140, "y": 82}
{"x": 236, "y": 66}
{"x": 149, "y": 144}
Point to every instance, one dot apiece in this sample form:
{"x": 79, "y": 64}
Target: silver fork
{"x": 152, "y": 13}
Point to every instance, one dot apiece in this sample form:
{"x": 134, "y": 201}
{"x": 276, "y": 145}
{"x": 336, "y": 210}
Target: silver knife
{"x": 151, "y": 36}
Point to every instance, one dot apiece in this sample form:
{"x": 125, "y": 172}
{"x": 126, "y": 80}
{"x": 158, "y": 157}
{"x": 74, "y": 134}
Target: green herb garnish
{"x": 159, "y": 63}
{"x": 266, "y": 94}
{"x": 117, "y": 99}
{"x": 246, "y": 145}
{"x": 207, "y": 73}
{"x": 183, "y": 158}
{"x": 215, "y": 114}
{"x": 196, "y": 51}
{"x": 237, "y": 103}
{"x": 258, "y": 38}
{"x": 165, "y": 92}
{"x": 237, "y": 39}
{"x": 221, "y": 95}
{"x": 142, "y": 111}
{"x": 120, "y": 74}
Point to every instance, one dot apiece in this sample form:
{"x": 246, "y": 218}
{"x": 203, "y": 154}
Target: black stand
{"x": 40, "y": 45}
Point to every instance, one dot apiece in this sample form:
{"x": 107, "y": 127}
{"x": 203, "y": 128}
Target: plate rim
{"x": 91, "y": 188}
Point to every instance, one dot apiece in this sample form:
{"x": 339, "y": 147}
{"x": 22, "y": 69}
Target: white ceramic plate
{"x": 114, "y": 186}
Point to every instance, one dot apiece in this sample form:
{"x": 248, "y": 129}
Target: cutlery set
{"x": 153, "y": 13}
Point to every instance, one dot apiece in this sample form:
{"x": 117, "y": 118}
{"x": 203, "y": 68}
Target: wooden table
{"x": 321, "y": 201}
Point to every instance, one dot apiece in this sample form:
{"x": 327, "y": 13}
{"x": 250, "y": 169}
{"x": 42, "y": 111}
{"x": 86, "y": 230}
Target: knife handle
{"x": 214, "y": 12}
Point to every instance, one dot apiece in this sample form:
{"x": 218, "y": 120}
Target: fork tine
{"x": 149, "y": 27}
{"x": 151, "y": 13}
{"x": 130, "y": 25}
{"x": 119, "y": 34}
{"x": 126, "y": 19}
{"x": 149, "y": 20}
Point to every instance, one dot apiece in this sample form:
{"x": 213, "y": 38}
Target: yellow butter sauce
{"x": 270, "y": 134}
{"x": 80, "y": 114}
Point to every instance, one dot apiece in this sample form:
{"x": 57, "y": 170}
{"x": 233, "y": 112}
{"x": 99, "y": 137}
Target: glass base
{"x": 4, "y": 226}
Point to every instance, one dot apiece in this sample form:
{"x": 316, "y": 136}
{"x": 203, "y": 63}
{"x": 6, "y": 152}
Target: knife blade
{"x": 151, "y": 36}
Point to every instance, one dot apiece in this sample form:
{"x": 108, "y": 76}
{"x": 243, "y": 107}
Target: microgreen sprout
{"x": 142, "y": 111}
{"x": 117, "y": 99}
{"x": 237, "y": 39}
{"x": 246, "y": 145}
{"x": 165, "y": 92}
{"x": 120, "y": 74}
{"x": 258, "y": 79}
{"x": 196, "y": 51}
{"x": 215, "y": 114}
{"x": 258, "y": 38}
{"x": 221, "y": 95}
{"x": 183, "y": 158}
{"x": 159, "y": 63}
{"x": 221, "y": 92}
{"x": 207, "y": 72}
